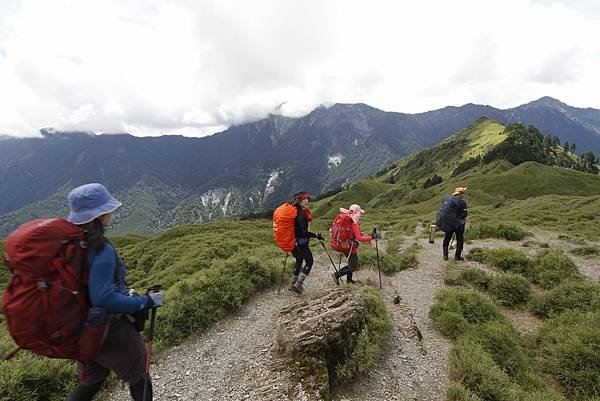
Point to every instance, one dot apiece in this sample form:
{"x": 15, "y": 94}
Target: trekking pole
{"x": 282, "y": 272}
{"x": 329, "y": 256}
{"x": 150, "y": 342}
{"x": 377, "y": 249}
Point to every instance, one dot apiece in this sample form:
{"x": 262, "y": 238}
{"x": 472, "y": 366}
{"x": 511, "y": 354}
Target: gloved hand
{"x": 320, "y": 237}
{"x": 154, "y": 299}
{"x": 375, "y": 236}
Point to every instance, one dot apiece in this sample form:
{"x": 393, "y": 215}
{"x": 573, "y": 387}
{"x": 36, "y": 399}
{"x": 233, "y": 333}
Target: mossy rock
{"x": 330, "y": 338}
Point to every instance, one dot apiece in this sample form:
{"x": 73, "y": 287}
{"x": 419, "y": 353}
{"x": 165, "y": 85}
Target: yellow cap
{"x": 459, "y": 190}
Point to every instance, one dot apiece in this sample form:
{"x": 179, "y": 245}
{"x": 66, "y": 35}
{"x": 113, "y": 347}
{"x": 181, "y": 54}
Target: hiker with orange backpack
{"x": 345, "y": 236}
{"x": 123, "y": 350}
{"x": 301, "y": 251}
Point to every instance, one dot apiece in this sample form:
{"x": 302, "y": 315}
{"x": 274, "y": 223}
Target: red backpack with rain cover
{"x": 340, "y": 233}
{"x": 283, "y": 226}
{"x": 45, "y": 304}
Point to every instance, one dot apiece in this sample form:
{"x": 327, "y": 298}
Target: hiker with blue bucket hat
{"x": 123, "y": 350}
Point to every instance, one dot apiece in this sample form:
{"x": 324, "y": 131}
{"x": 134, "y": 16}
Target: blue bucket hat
{"x": 90, "y": 201}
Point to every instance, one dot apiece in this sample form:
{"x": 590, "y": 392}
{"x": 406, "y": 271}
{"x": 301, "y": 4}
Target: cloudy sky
{"x": 194, "y": 67}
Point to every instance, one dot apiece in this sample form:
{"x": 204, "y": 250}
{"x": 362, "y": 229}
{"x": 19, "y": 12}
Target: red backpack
{"x": 45, "y": 304}
{"x": 340, "y": 233}
{"x": 283, "y": 226}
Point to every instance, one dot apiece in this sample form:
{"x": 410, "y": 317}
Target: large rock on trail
{"x": 314, "y": 336}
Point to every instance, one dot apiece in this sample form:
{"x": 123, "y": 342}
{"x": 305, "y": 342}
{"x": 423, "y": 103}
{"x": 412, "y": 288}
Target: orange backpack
{"x": 283, "y": 226}
{"x": 340, "y": 233}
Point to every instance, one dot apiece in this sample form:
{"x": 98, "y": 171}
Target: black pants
{"x": 302, "y": 254}
{"x": 350, "y": 267}
{"x": 86, "y": 392}
{"x": 460, "y": 239}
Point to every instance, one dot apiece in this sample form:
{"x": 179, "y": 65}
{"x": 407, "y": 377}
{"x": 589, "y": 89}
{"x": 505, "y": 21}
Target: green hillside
{"x": 531, "y": 179}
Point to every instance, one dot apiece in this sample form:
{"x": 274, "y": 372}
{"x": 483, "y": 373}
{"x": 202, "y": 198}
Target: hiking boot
{"x": 445, "y": 257}
{"x": 459, "y": 258}
{"x": 297, "y": 286}
{"x": 349, "y": 280}
{"x": 294, "y": 280}
{"x": 335, "y": 278}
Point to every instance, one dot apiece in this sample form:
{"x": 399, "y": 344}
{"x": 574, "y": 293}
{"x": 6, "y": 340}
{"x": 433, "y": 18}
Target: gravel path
{"x": 234, "y": 359}
{"x": 414, "y": 361}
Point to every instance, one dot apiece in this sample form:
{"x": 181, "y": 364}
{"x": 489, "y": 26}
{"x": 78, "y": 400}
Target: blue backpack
{"x": 447, "y": 217}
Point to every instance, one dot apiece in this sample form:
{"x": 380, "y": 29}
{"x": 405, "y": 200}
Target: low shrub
{"x": 501, "y": 341}
{"x": 457, "y": 308}
{"x": 507, "y": 231}
{"x": 509, "y": 260}
{"x": 369, "y": 341}
{"x": 477, "y": 372}
{"x": 589, "y": 252}
{"x": 458, "y": 392}
{"x": 550, "y": 268}
{"x": 466, "y": 277}
{"x": 394, "y": 263}
{"x": 477, "y": 376}
{"x": 510, "y": 289}
{"x": 582, "y": 296}
{"x": 210, "y": 293}
{"x": 567, "y": 348}
{"x": 528, "y": 244}
{"x": 121, "y": 241}
{"x": 477, "y": 254}
{"x": 393, "y": 246}
{"x": 389, "y": 263}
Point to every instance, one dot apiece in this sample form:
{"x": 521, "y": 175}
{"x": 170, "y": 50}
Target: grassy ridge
{"x": 531, "y": 179}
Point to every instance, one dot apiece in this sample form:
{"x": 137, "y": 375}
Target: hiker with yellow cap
{"x": 451, "y": 219}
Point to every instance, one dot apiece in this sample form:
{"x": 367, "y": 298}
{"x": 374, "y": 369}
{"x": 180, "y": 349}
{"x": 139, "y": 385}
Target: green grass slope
{"x": 532, "y": 179}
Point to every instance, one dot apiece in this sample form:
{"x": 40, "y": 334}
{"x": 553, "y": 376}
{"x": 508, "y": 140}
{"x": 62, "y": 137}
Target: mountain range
{"x": 170, "y": 180}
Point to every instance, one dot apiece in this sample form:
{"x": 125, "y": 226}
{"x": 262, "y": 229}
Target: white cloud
{"x": 194, "y": 67}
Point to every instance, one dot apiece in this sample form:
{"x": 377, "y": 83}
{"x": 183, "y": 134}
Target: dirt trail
{"x": 233, "y": 359}
{"x": 414, "y": 361}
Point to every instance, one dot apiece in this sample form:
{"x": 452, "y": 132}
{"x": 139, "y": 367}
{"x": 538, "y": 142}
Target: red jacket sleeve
{"x": 358, "y": 236}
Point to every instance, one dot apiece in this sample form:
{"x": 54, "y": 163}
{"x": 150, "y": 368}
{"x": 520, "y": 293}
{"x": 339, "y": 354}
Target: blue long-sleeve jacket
{"x": 106, "y": 285}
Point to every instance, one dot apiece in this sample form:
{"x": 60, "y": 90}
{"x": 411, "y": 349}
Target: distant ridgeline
{"x": 249, "y": 169}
